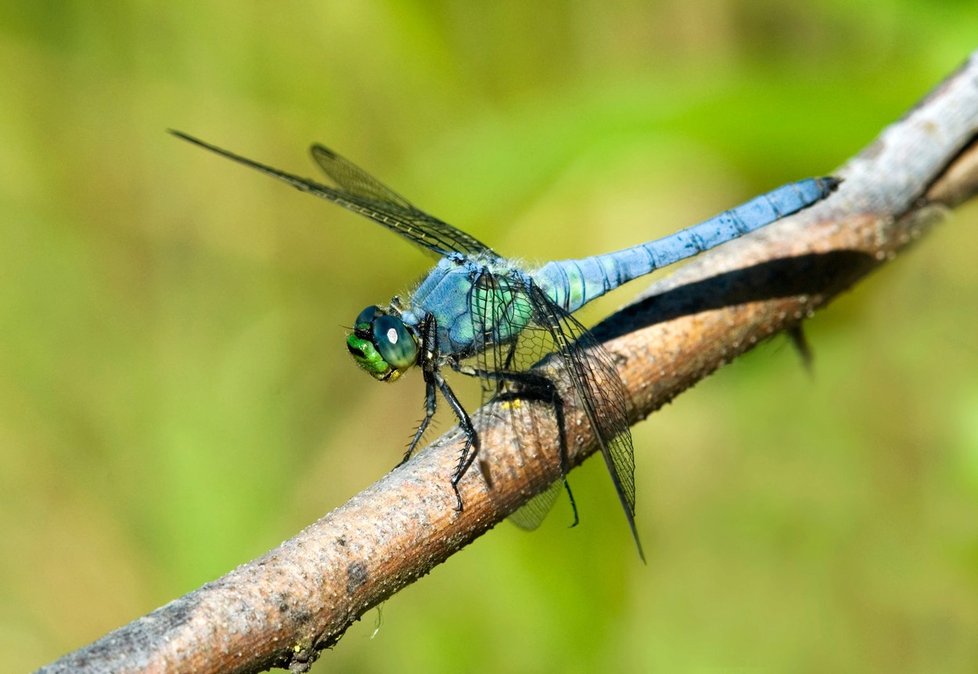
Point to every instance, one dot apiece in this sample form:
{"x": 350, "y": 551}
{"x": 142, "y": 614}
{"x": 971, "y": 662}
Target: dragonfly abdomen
{"x": 574, "y": 283}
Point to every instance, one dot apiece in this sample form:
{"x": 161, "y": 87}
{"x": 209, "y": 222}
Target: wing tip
{"x": 317, "y": 149}
{"x": 182, "y": 135}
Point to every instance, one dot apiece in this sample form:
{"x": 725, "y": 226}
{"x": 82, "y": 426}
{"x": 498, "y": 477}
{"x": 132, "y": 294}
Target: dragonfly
{"x": 486, "y": 316}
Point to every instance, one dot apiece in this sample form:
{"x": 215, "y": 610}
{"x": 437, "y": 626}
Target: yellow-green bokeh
{"x": 175, "y": 396}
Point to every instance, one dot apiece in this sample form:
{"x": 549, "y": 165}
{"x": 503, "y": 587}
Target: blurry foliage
{"x": 175, "y": 397}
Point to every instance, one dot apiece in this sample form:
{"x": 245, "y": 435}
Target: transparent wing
{"x": 600, "y": 392}
{"x": 519, "y": 325}
{"x": 500, "y": 307}
{"x": 532, "y": 513}
{"x": 392, "y": 210}
{"x": 354, "y": 179}
{"x": 362, "y": 194}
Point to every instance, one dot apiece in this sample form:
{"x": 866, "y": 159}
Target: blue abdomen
{"x": 574, "y": 283}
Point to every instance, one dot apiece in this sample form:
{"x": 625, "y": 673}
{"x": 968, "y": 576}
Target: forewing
{"x": 384, "y": 205}
{"x": 354, "y": 180}
{"x": 359, "y": 192}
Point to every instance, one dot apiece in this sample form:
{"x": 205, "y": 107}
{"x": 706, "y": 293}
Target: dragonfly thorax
{"x": 382, "y": 344}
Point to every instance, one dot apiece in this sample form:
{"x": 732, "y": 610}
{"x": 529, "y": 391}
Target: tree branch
{"x": 285, "y": 607}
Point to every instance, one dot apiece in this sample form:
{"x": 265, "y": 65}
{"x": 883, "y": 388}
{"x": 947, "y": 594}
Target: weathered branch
{"x": 285, "y": 607}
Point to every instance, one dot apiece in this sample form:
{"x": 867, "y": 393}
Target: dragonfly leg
{"x": 539, "y": 387}
{"x": 430, "y": 404}
{"x": 533, "y": 386}
{"x": 798, "y": 339}
{"x": 471, "y": 447}
{"x": 430, "y": 363}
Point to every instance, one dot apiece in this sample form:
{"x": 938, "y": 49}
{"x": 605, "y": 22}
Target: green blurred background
{"x": 175, "y": 396}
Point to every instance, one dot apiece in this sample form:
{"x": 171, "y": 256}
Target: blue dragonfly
{"x": 486, "y": 316}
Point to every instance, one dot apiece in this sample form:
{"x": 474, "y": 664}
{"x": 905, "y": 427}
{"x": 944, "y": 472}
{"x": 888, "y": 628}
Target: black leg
{"x": 471, "y": 447}
{"x": 430, "y": 404}
{"x": 430, "y": 364}
{"x": 533, "y": 386}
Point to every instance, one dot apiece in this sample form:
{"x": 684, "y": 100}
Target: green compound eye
{"x": 366, "y": 318}
{"x": 366, "y": 357}
{"x": 382, "y": 345}
{"x": 394, "y": 342}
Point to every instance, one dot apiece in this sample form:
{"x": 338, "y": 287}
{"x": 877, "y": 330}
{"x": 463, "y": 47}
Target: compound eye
{"x": 394, "y": 341}
{"x": 366, "y": 318}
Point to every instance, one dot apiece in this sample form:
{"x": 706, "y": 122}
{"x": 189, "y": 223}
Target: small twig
{"x": 285, "y": 607}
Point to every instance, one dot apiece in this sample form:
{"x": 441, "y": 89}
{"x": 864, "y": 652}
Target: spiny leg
{"x": 535, "y": 386}
{"x": 430, "y": 404}
{"x": 508, "y": 363}
{"x": 471, "y": 447}
{"x": 428, "y": 362}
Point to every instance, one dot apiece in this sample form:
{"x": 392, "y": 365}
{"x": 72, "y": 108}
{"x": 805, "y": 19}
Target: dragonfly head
{"x": 382, "y": 345}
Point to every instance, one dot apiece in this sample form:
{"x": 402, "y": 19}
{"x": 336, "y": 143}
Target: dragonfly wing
{"x": 600, "y": 392}
{"x": 519, "y": 325}
{"x": 362, "y": 194}
{"x": 391, "y": 209}
{"x": 500, "y": 308}
{"x": 353, "y": 179}
{"x": 532, "y": 513}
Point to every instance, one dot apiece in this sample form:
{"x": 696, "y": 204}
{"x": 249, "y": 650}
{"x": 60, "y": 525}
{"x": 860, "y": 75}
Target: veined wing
{"x": 600, "y": 392}
{"x": 500, "y": 309}
{"x": 386, "y": 204}
{"x": 519, "y": 325}
{"x": 357, "y": 191}
{"x": 531, "y": 514}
